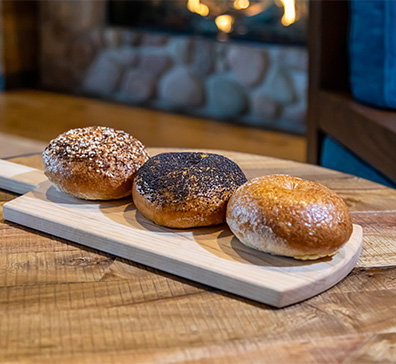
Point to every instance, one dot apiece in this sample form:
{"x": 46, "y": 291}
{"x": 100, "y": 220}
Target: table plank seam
{"x": 235, "y": 342}
{"x": 131, "y": 304}
{"x": 165, "y": 299}
{"x": 383, "y": 267}
{"x": 374, "y": 212}
{"x": 363, "y": 344}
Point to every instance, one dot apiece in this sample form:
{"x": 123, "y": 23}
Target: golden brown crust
{"x": 289, "y": 216}
{"x": 94, "y": 163}
{"x": 194, "y": 213}
{"x": 184, "y": 190}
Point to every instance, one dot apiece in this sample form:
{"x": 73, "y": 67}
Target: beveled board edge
{"x": 18, "y": 178}
{"x": 141, "y": 256}
{"x": 330, "y": 281}
{"x": 82, "y": 235}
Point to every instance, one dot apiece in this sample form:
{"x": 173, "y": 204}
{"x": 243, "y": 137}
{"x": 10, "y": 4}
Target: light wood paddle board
{"x": 211, "y": 256}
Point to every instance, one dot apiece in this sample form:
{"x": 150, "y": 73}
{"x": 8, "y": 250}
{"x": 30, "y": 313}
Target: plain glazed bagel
{"x": 94, "y": 163}
{"x": 289, "y": 216}
{"x": 184, "y": 190}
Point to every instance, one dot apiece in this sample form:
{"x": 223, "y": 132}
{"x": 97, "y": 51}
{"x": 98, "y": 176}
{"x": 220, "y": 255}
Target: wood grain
{"x": 211, "y": 255}
{"x": 369, "y": 133}
{"x": 43, "y": 116}
{"x": 19, "y": 179}
{"x": 132, "y": 313}
{"x": 380, "y": 348}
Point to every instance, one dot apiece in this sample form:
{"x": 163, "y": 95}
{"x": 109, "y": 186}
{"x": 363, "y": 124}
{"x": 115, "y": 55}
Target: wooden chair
{"x": 368, "y": 134}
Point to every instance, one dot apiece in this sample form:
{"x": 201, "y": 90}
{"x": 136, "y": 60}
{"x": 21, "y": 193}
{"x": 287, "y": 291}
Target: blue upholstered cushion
{"x": 335, "y": 156}
{"x": 372, "y": 50}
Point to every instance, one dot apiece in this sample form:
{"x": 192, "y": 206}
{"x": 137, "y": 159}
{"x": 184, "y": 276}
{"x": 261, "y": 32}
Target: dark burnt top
{"x": 179, "y": 178}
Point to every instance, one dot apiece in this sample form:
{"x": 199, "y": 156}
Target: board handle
{"x": 18, "y": 178}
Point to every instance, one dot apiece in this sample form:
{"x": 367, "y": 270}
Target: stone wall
{"x": 241, "y": 82}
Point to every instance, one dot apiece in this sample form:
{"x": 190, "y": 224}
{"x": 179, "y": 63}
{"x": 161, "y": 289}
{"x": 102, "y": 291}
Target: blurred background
{"x": 240, "y": 63}
{"x": 224, "y": 74}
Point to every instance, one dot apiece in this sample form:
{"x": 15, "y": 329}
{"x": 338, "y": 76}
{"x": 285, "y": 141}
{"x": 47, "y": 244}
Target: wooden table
{"x": 61, "y": 302}
{"x": 44, "y": 115}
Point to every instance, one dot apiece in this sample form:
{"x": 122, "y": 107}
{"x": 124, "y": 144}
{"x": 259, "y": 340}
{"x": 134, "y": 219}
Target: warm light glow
{"x": 203, "y": 10}
{"x": 224, "y": 23}
{"x": 255, "y": 9}
{"x": 289, "y": 15}
{"x": 196, "y": 7}
{"x": 193, "y": 5}
{"x": 241, "y": 4}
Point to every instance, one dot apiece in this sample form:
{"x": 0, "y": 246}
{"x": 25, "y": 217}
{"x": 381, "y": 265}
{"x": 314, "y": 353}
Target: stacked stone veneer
{"x": 246, "y": 83}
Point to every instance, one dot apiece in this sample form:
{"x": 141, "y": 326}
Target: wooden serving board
{"x": 212, "y": 256}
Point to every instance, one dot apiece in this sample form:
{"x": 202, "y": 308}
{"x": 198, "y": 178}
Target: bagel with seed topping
{"x": 184, "y": 190}
{"x": 94, "y": 163}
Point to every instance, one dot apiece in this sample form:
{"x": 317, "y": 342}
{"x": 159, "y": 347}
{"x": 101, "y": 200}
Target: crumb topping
{"x": 103, "y": 150}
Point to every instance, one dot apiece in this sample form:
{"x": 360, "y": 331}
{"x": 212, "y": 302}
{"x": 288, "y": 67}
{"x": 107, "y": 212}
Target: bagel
{"x": 289, "y": 216}
{"x": 184, "y": 190}
{"x": 94, "y": 163}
